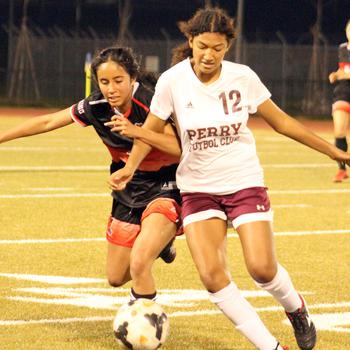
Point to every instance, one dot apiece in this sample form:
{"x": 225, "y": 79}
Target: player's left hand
{"x": 123, "y": 126}
{"x": 333, "y": 77}
{"x": 119, "y": 179}
{"x": 341, "y": 156}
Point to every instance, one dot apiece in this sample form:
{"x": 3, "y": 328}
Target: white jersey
{"x": 218, "y": 149}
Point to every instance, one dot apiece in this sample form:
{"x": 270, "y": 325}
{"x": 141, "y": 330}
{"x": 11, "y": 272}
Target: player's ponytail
{"x": 148, "y": 79}
{"x": 180, "y": 53}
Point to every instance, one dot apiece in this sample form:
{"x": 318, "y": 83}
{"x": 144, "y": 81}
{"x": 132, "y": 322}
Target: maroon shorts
{"x": 247, "y": 205}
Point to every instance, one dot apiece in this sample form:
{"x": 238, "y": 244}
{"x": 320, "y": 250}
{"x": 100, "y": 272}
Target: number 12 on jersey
{"x": 233, "y": 98}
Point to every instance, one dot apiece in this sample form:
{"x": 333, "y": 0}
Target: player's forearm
{"x": 298, "y": 132}
{"x": 292, "y": 128}
{"x": 138, "y": 153}
{"x": 164, "y": 142}
{"x": 342, "y": 75}
{"x": 37, "y": 125}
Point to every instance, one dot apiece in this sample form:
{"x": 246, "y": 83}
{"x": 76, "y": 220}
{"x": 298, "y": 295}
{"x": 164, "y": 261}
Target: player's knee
{"x": 115, "y": 281}
{"x": 139, "y": 265}
{"x": 262, "y": 272}
{"x": 213, "y": 277}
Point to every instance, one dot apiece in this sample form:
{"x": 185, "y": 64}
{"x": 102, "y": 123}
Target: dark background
{"x": 262, "y": 18}
{"x": 156, "y": 19}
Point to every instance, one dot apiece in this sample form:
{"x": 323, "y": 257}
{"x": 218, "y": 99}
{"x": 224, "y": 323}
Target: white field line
{"x": 59, "y": 189}
{"x": 104, "y": 168}
{"x": 51, "y": 241}
{"x": 53, "y": 195}
{"x": 55, "y": 168}
{"x": 77, "y": 195}
{"x": 315, "y": 191}
{"x": 173, "y": 314}
{"x": 299, "y": 166}
{"x": 49, "y": 149}
{"x": 292, "y": 206}
{"x": 102, "y": 239}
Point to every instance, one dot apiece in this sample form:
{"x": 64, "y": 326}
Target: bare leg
{"x": 118, "y": 265}
{"x": 341, "y": 123}
{"x": 259, "y": 250}
{"x": 207, "y": 242}
{"x": 156, "y": 231}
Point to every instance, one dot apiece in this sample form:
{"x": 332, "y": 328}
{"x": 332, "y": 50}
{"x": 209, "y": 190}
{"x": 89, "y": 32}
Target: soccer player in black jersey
{"x": 145, "y": 216}
{"x": 341, "y": 101}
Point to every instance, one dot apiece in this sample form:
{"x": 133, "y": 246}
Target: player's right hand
{"x": 120, "y": 178}
{"x": 332, "y": 77}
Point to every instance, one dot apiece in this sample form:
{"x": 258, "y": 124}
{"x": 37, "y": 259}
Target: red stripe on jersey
{"x": 118, "y": 154}
{"x": 76, "y": 118}
{"x": 344, "y": 65}
{"x": 141, "y": 104}
{"x": 127, "y": 113}
{"x": 153, "y": 162}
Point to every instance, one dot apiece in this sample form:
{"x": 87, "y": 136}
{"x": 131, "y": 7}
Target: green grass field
{"x": 54, "y": 203}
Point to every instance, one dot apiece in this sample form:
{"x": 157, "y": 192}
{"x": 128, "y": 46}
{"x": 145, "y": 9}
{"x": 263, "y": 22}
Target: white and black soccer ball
{"x": 141, "y": 325}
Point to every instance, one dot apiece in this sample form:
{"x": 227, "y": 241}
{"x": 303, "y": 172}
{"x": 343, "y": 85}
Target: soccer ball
{"x": 141, "y": 325}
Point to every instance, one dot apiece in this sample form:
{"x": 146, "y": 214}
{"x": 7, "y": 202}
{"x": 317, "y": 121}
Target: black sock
{"x": 341, "y": 143}
{"x": 135, "y": 296}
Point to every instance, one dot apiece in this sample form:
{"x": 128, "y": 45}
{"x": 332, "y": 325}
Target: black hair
{"x": 125, "y": 57}
{"x": 206, "y": 20}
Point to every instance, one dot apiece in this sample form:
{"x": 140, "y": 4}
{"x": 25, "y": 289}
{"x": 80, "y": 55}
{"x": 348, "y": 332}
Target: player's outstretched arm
{"x": 340, "y": 74}
{"x": 165, "y": 139}
{"x": 288, "y": 126}
{"x": 38, "y": 125}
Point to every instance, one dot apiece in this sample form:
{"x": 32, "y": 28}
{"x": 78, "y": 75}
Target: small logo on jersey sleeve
{"x": 189, "y": 105}
{"x": 80, "y": 107}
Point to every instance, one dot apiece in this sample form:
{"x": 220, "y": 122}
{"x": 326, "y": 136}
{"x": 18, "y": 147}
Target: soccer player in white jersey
{"x": 219, "y": 175}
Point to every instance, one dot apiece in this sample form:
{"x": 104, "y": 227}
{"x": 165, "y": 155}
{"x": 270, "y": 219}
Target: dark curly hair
{"x": 206, "y": 20}
{"x": 125, "y": 57}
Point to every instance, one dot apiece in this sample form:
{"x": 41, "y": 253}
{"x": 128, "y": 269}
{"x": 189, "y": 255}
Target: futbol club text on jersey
{"x": 219, "y": 136}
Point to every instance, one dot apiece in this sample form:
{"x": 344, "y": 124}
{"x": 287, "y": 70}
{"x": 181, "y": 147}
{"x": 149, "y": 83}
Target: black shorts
{"x": 147, "y": 186}
{"x": 125, "y": 213}
{"x": 341, "y": 91}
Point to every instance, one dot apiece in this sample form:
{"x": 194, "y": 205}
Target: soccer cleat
{"x": 340, "y": 176}
{"x": 168, "y": 254}
{"x": 304, "y": 329}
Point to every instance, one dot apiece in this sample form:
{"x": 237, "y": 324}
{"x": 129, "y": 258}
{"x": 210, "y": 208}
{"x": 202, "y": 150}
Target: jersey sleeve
{"x": 257, "y": 92}
{"x": 162, "y": 102}
{"x": 78, "y": 113}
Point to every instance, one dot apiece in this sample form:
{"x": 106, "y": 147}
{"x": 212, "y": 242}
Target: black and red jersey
{"x": 156, "y": 174}
{"x": 341, "y": 90}
{"x": 344, "y": 57}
